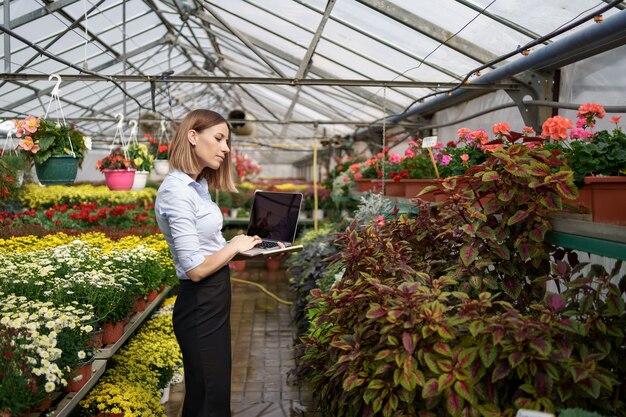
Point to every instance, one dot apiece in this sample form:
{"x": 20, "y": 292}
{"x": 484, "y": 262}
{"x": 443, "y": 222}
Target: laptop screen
{"x": 275, "y": 215}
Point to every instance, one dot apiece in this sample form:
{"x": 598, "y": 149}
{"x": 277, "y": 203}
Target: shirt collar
{"x": 200, "y": 187}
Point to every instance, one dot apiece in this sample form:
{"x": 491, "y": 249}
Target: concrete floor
{"x": 262, "y": 344}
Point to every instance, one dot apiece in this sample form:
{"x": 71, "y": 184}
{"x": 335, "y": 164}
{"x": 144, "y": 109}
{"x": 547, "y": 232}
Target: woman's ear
{"x": 191, "y": 137}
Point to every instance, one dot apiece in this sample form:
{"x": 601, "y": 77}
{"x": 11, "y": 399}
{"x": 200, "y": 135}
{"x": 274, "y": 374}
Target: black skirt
{"x": 202, "y": 327}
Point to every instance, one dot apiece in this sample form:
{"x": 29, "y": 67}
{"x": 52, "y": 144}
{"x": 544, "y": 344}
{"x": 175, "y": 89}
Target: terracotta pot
{"x": 96, "y": 339}
{"x": 79, "y": 377}
{"x": 608, "y": 199}
{"x": 112, "y": 332}
{"x": 239, "y": 266}
{"x": 163, "y": 287}
{"x": 394, "y": 189}
{"x": 152, "y": 295}
{"x": 139, "y": 304}
{"x": 412, "y": 187}
{"x": 272, "y": 264}
{"x": 45, "y": 404}
{"x": 364, "y": 184}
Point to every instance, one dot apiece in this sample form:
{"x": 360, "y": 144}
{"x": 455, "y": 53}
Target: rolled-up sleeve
{"x": 179, "y": 212}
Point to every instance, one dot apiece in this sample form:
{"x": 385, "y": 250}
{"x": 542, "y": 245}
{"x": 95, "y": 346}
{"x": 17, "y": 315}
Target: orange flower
{"x": 501, "y": 128}
{"x": 481, "y": 136}
{"x": 615, "y": 119}
{"x": 590, "y": 110}
{"x": 556, "y": 127}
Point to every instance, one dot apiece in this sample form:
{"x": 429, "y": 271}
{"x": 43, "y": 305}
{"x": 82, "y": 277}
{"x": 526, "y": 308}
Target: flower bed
{"x": 36, "y": 197}
{"x": 141, "y": 370}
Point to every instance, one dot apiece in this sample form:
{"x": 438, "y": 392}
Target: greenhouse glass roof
{"x": 297, "y": 68}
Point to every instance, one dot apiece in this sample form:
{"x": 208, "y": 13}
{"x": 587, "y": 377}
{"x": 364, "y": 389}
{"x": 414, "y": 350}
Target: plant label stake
{"x": 429, "y": 142}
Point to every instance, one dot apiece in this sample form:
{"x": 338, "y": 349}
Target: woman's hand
{"x": 243, "y": 242}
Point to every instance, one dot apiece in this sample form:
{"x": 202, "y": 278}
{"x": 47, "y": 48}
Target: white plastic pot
{"x": 139, "y": 182}
{"x": 161, "y": 166}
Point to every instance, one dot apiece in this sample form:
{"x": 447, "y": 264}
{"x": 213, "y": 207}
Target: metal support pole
{"x": 6, "y": 4}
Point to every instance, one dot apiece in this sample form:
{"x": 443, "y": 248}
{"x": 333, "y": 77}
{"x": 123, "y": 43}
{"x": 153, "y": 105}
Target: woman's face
{"x": 210, "y": 145}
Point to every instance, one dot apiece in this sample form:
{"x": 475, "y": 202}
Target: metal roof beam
{"x": 367, "y": 95}
{"x": 243, "y": 38}
{"x": 429, "y": 29}
{"x": 512, "y": 25}
{"x": 387, "y": 44}
{"x": 306, "y": 63}
{"x": 268, "y": 81}
{"x": 35, "y": 14}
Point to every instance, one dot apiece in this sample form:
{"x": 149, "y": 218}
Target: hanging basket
{"x": 57, "y": 170}
{"x": 119, "y": 179}
{"x": 139, "y": 182}
{"x": 161, "y": 166}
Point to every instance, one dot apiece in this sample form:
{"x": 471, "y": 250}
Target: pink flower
{"x": 463, "y": 132}
{"x": 465, "y": 158}
{"x": 615, "y": 119}
{"x": 358, "y": 176}
{"x": 556, "y": 127}
{"x": 579, "y": 133}
{"x": 354, "y": 168}
{"x": 581, "y": 123}
{"x": 445, "y": 159}
{"x": 395, "y": 158}
{"x": 528, "y": 131}
{"x": 346, "y": 179}
{"x": 409, "y": 153}
{"x": 27, "y": 144}
{"x": 501, "y": 128}
{"x": 380, "y": 220}
{"x": 379, "y": 155}
{"x": 31, "y": 124}
{"x": 413, "y": 144}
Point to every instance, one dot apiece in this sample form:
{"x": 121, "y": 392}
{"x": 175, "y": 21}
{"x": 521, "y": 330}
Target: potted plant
{"x": 419, "y": 171}
{"x": 55, "y": 149}
{"x": 142, "y": 161}
{"x": 598, "y": 160}
{"x": 159, "y": 151}
{"x": 117, "y": 169}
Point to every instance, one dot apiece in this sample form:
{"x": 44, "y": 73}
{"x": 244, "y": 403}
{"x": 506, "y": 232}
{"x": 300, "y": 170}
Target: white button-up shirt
{"x": 190, "y": 221}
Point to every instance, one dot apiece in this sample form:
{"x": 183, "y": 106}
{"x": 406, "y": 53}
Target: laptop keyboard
{"x": 266, "y": 245}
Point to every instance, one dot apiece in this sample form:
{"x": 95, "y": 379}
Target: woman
{"x": 192, "y": 223}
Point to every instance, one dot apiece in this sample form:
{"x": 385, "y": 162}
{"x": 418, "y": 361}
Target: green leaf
{"x": 501, "y": 370}
{"x": 468, "y": 254}
{"x": 454, "y": 403}
{"x": 487, "y": 353}
{"x": 543, "y": 347}
{"x": 431, "y": 388}
{"x": 591, "y": 387}
{"x": 461, "y": 388}
{"x": 445, "y": 381}
{"x": 504, "y": 253}
{"x": 490, "y": 176}
{"x": 512, "y": 286}
{"x": 486, "y": 232}
{"x": 375, "y": 311}
{"x": 578, "y": 373}
{"x": 383, "y": 354}
{"x": 443, "y": 349}
{"x": 476, "y": 327}
{"x": 408, "y": 343}
{"x": 476, "y": 281}
{"x": 517, "y": 217}
{"x": 506, "y": 195}
{"x": 45, "y": 142}
{"x": 489, "y": 410}
{"x": 376, "y": 384}
{"x": 352, "y": 381}
{"x": 431, "y": 363}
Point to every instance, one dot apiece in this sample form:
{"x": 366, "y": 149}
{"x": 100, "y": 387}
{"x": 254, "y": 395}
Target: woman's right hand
{"x": 243, "y": 242}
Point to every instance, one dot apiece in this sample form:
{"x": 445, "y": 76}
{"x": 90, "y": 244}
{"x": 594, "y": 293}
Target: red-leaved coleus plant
{"x": 447, "y": 313}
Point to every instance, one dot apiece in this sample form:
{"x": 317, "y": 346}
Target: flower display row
{"x": 59, "y": 280}
{"x": 246, "y": 168}
{"x": 587, "y": 152}
{"x": 142, "y": 370}
{"x": 35, "y": 197}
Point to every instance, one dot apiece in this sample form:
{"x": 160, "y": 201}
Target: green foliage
{"x": 578, "y": 412}
{"x": 605, "y": 154}
{"x": 447, "y": 313}
{"x": 370, "y": 206}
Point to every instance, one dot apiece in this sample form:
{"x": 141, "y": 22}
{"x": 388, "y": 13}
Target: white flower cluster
{"x": 44, "y": 322}
{"x": 341, "y": 184}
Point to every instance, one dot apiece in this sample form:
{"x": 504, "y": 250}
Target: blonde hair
{"x": 182, "y": 157}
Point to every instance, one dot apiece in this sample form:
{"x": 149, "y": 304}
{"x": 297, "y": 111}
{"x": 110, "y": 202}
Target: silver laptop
{"x": 274, "y": 218}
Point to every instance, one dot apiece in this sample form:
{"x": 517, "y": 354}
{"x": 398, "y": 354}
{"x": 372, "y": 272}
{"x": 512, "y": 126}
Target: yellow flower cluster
{"x": 37, "y": 197}
{"x": 287, "y": 186}
{"x": 144, "y": 366}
